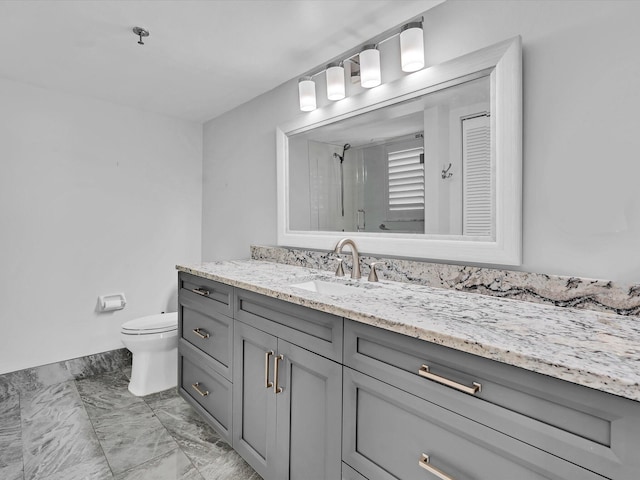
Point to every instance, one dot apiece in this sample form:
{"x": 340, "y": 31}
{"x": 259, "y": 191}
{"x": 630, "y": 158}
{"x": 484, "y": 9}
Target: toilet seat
{"x": 153, "y": 331}
{"x": 151, "y": 325}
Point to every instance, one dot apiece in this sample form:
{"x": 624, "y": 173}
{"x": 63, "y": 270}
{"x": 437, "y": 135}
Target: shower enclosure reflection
{"x": 345, "y": 147}
{"x": 421, "y": 166}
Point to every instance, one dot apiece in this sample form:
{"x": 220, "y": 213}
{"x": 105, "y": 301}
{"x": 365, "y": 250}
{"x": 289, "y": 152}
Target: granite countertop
{"x": 597, "y": 350}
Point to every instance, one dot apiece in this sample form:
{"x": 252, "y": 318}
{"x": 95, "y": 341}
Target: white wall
{"x": 581, "y": 98}
{"x": 581, "y": 123}
{"x": 94, "y": 199}
{"x": 239, "y": 175}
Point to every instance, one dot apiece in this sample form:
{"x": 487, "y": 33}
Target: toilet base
{"x": 153, "y": 372}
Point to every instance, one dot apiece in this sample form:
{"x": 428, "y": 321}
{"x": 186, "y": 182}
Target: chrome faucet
{"x": 355, "y": 272}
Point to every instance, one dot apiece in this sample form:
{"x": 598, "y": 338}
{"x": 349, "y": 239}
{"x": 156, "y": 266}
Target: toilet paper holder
{"x": 108, "y": 303}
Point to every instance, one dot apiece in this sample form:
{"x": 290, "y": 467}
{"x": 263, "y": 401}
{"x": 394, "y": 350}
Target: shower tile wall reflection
{"x": 92, "y": 428}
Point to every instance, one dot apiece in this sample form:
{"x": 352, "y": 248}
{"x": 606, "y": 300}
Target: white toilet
{"x": 153, "y": 341}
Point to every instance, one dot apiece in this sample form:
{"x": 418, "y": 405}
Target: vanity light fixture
{"x": 335, "y": 81}
{"x": 307, "y": 94}
{"x": 368, "y": 63}
{"x": 412, "y": 47}
{"x": 370, "y": 66}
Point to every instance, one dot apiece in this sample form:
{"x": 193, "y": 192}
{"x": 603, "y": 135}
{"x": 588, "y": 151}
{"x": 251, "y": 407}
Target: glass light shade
{"x": 412, "y": 47}
{"x": 370, "y": 67}
{"x": 335, "y": 82}
{"x": 307, "y": 94}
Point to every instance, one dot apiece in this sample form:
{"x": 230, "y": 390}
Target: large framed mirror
{"x": 428, "y": 166}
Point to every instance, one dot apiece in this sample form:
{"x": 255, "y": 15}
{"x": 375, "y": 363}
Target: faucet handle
{"x": 339, "y": 270}
{"x": 373, "y": 275}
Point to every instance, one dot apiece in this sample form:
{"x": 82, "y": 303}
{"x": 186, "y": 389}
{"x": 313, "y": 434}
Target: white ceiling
{"x": 202, "y": 58}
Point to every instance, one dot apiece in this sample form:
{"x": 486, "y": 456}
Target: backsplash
{"x": 561, "y": 291}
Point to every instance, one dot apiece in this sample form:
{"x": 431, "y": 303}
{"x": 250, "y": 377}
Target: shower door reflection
{"x": 350, "y": 191}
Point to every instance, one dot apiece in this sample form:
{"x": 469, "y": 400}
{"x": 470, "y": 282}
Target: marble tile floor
{"x": 93, "y": 429}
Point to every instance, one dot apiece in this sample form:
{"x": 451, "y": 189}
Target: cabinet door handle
{"x": 424, "y": 463}
{"x": 201, "y": 291}
{"x": 196, "y": 387}
{"x": 267, "y": 383}
{"x": 424, "y": 372}
{"x": 276, "y": 360}
{"x": 199, "y": 332}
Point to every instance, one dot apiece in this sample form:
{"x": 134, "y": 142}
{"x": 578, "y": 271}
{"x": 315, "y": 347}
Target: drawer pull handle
{"x": 196, "y": 387}
{"x": 199, "y": 333}
{"x": 424, "y": 463}
{"x": 201, "y": 291}
{"x": 267, "y": 383}
{"x": 276, "y": 361}
{"x": 424, "y": 372}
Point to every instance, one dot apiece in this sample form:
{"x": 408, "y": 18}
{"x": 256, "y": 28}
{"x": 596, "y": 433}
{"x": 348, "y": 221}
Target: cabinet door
{"x": 349, "y": 473}
{"x": 309, "y": 415}
{"x": 254, "y": 409}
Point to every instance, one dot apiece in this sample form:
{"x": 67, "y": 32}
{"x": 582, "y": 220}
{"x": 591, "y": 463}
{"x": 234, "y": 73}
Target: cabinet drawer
{"x": 217, "y": 296}
{"x": 579, "y": 424}
{"x": 205, "y": 389}
{"x": 209, "y": 331}
{"x": 316, "y": 331}
{"x": 387, "y": 431}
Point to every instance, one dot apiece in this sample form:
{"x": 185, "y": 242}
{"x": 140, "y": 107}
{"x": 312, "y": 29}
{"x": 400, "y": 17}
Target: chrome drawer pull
{"x": 196, "y": 387}
{"x": 199, "y": 333}
{"x": 201, "y": 291}
{"x": 267, "y": 383}
{"x": 424, "y": 372}
{"x": 424, "y": 463}
{"x": 276, "y": 388}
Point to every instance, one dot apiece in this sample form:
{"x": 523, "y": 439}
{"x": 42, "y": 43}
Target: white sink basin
{"x": 326, "y": 288}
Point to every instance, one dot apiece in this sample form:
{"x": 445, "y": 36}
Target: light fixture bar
{"x": 386, "y": 39}
{"x": 411, "y": 58}
{"x": 356, "y": 51}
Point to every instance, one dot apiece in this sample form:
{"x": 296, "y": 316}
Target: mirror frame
{"x": 503, "y": 62}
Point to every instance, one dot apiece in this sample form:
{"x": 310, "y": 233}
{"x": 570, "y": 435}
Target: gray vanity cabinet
{"x": 205, "y": 330}
{"x": 304, "y": 395}
{"x": 287, "y": 399}
{"x": 528, "y": 418}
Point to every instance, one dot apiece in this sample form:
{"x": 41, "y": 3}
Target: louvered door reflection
{"x": 477, "y": 179}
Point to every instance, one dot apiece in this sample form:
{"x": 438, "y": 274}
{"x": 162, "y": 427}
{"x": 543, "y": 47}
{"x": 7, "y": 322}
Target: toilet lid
{"x": 152, "y": 324}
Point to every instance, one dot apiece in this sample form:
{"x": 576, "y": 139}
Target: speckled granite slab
{"x": 594, "y": 349}
{"x": 574, "y": 292}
